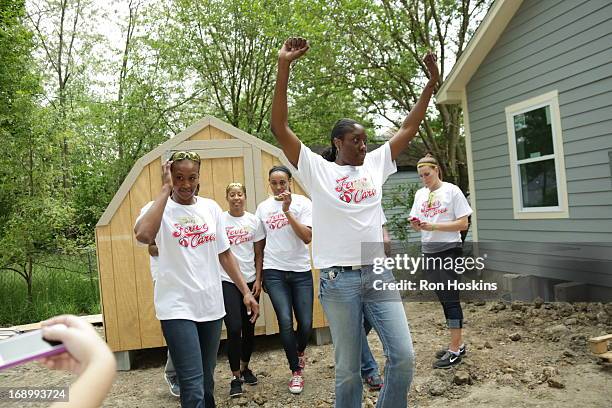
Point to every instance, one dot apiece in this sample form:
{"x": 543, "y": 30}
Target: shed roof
{"x": 170, "y": 144}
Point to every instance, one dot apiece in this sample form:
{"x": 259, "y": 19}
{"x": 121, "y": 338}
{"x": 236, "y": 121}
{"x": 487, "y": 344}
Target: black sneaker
{"x": 447, "y": 361}
{"x": 248, "y": 377}
{"x": 173, "y": 385}
{"x": 235, "y": 387}
{"x": 441, "y": 353}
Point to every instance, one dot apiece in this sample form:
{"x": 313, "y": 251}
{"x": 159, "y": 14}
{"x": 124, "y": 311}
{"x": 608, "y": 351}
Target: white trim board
{"x": 550, "y": 99}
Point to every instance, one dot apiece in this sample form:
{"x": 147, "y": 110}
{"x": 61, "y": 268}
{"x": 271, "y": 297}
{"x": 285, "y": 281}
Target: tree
{"x": 30, "y": 219}
{"x": 387, "y": 40}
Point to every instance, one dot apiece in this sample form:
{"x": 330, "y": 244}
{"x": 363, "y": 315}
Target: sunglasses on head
{"x": 193, "y": 156}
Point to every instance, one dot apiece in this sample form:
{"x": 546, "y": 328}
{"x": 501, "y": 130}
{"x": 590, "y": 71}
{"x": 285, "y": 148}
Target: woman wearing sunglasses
{"x": 188, "y": 298}
{"x": 245, "y": 233}
{"x": 440, "y": 212}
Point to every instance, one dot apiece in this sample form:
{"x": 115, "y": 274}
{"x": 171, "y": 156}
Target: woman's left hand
{"x": 286, "y": 195}
{"x": 425, "y": 226}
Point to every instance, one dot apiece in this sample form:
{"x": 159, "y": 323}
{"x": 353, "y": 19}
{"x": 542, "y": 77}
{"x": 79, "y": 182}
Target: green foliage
{"x": 401, "y": 197}
{"x": 61, "y": 284}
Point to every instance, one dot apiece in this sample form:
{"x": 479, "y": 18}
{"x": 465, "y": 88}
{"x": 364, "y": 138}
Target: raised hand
{"x": 167, "y": 174}
{"x": 430, "y": 61}
{"x": 293, "y": 48}
{"x": 285, "y": 197}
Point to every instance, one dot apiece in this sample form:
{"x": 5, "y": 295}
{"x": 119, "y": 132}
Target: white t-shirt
{"x": 242, "y": 233}
{"x": 188, "y": 278}
{"x": 284, "y": 250}
{"x": 347, "y": 207}
{"x": 447, "y": 204}
{"x": 154, "y": 267}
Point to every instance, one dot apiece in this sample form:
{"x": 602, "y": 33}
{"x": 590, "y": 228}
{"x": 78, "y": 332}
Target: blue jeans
{"x": 347, "y": 297}
{"x": 369, "y": 367}
{"x": 193, "y": 347}
{"x": 291, "y": 292}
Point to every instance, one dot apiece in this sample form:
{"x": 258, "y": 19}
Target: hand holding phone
{"x": 82, "y": 342}
{"x": 26, "y": 347}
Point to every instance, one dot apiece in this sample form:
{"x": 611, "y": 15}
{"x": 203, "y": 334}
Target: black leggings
{"x": 448, "y": 298}
{"x": 240, "y": 331}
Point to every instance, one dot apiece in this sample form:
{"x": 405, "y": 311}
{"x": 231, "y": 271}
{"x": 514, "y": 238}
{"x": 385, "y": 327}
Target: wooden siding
{"x": 549, "y": 45}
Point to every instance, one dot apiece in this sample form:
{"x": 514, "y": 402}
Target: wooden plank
{"x": 599, "y": 339}
{"x": 218, "y": 134}
{"x": 150, "y": 329}
{"x": 95, "y": 320}
{"x": 206, "y": 179}
{"x": 260, "y": 181}
{"x": 266, "y": 164}
{"x": 107, "y": 286}
{"x": 210, "y": 144}
{"x": 238, "y": 169}
{"x": 249, "y": 179}
{"x": 606, "y": 356}
{"x": 122, "y": 237}
{"x": 222, "y": 176}
{"x": 155, "y": 179}
{"x": 203, "y": 134}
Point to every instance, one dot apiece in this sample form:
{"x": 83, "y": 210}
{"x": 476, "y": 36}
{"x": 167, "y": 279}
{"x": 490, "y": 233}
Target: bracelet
{"x": 433, "y": 227}
{"x": 286, "y": 212}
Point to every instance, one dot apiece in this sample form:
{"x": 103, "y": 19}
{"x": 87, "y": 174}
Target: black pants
{"x": 449, "y": 298}
{"x": 240, "y": 331}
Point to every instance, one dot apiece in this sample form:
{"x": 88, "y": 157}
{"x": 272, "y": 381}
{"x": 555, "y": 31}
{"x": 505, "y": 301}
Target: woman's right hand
{"x": 167, "y": 175}
{"x": 83, "y": 344}
{"x": 292, "y": 49}
{"x": 415, "y": 224}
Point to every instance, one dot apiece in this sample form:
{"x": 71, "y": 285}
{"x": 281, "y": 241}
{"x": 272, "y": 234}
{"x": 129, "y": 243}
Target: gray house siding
{"x": 563, "y": 45}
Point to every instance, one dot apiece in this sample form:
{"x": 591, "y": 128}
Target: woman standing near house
{"x": 287, "y": 274}
{"x": 346, "y": 191}
{"x": 245, "y": 232}
{"x": 188, "y": 299}
{"x": 440, "y": 211}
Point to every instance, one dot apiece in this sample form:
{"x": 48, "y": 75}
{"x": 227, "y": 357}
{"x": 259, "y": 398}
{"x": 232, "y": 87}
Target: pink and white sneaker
{"x": 296, "y": 384}
{"x": 301, "y": 360}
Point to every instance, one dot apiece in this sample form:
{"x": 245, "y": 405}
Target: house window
{"x": 536, "y": 158}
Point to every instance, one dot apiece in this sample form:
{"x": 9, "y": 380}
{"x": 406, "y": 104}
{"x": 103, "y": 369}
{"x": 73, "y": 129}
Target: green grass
{"x": 61, "y": 284}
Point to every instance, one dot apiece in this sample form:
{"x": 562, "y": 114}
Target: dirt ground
{"x": 519, "y": 355}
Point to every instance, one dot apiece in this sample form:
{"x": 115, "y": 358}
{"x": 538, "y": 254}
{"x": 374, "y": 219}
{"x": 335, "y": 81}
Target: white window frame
{"x": 550, "y": 99}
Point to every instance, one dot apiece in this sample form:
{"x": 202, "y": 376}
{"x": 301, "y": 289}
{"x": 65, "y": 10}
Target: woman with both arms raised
{"x": 346, "y": 195}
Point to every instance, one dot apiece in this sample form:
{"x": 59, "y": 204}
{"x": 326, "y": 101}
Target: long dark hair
{"x": 342, "y": 127}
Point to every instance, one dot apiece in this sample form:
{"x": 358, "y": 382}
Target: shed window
{"x": 536, "y": 158}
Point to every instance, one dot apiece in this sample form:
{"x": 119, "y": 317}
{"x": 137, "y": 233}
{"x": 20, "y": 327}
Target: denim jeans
{"x": 347, "y": 297}
{"x": 369, "y": 367}
{"x": 193, "y": 347}
{"x": 291, "y": 292}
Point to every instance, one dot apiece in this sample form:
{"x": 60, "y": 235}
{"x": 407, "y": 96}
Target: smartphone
{"x": 26, "y": 347}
